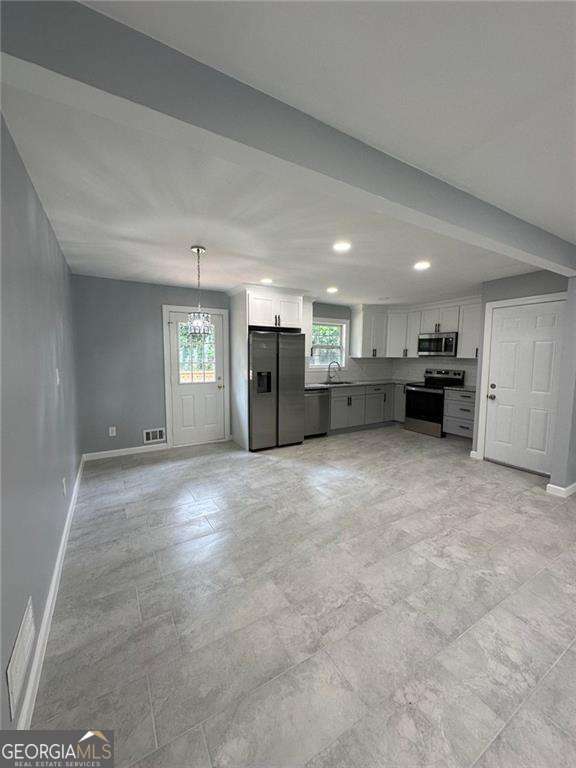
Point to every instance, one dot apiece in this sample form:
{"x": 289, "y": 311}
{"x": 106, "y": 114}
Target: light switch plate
{"x": 111, "y": 431}
{"x": 20, "y": 658}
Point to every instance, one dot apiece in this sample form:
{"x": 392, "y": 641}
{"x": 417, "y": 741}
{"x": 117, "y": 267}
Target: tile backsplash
{"x": 411, "y": 369}
{"x": 357, "y": 370}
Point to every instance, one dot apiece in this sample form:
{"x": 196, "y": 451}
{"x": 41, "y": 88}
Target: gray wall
{"x": 333, "y": 311}
{"x": 120, "y": 356}
{"x": 530, "y": 284}
{"x": 39, "y": 434}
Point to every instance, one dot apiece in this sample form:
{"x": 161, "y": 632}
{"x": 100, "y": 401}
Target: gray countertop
{"x": 310, "y": 386}
{"x": 355, "y": 384}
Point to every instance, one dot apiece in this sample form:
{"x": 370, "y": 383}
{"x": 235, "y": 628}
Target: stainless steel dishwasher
{"x": 317, "y": 412}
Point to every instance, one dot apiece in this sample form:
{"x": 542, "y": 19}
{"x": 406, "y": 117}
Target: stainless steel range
{"x": 425, "y": 400}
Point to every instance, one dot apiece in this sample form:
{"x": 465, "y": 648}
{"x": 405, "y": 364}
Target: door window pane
{"x": 196, "y": 356}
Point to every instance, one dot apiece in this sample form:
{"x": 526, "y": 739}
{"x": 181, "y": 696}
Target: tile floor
{"x": 365, "y": 600}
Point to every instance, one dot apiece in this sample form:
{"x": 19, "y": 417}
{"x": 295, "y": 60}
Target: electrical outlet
{"x": 111, "y": 431}
{"x": 64, "y": 488}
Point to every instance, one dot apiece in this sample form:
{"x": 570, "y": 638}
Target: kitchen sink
{"x": 338, "y": 383}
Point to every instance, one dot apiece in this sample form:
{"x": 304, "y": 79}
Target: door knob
{"x": 491, "y": 397}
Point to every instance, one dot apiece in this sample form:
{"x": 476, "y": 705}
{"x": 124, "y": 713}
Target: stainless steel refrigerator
{"x": 276, "y": 388}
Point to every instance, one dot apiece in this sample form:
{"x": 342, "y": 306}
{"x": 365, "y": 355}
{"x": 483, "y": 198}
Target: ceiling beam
{"x": 236, "y": 121}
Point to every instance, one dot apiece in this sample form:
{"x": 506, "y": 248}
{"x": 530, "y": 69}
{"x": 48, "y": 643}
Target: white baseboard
{"x": 476, "y": 455}
{"x": 124, "y": 451}
{"x": 29, "y": 700}
{"x": 558, "y": 490}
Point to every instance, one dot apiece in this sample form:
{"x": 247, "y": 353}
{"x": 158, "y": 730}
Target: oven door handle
{"x": 425, "y": 391}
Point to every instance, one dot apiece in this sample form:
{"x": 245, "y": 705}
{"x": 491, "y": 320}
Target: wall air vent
{"x": 155, "y": 435}
{"x": 20, "y": 658}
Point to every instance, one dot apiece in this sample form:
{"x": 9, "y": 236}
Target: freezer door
{"x": 262, "y": 380}
{"x": 290, "y": 388}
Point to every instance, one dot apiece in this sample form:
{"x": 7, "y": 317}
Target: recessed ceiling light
{"x": 266, "y": 281}
{"x": 342, "y": 246}
{"x": 332, "y": 289}
{"x": 421, "y": 265}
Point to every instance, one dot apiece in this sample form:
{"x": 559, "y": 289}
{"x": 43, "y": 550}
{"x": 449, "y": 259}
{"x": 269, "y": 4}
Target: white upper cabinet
{"x": 412, "y": 330}
{"x": 448, "y": 318}
{"x": 262, "y": 310}
{"x": 403, "y": 330}
{"x": 429, "y": 321}
{"x": 274, "y": 310}
{"x": 396, "y": 337}
{"x": 368, "y": 331}
{"x": 440, "y": 320}
{"x": 388, "y": 332}
{"x": 306, "y": 326}
{"x": 290, "y": 311}
{"x": 469, "y": 330}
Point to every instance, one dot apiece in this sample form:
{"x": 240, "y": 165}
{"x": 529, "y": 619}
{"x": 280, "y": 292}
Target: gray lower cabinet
{"x": 399, "y": 402}
{"x": 357, "y": 410}
{"x": 347, "y": 407}
{"x": 357, "y": 406}
{"x": 347, "y": 411}
{"x": 389, "y": 403}
{"x": 459, "y": 412}
{"x": 374, "y": 409}
{"x": 339, "y": 412}
{"x": 379, "y": 403}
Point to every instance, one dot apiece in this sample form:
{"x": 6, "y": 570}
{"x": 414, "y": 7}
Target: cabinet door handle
{"x": 462, "y": 426}
{"x": 465, "y": 397}
{"x": 275, "y": 320}
{"x": 466, "y": 410}
{"x": 384, "y": 396}
{"x": 373, "y": 353}
{"x": 279, "y": 320}
{"x": 476, "y": 354}
{"x": 311, "y": 351}
{"x": 404, "y": 353}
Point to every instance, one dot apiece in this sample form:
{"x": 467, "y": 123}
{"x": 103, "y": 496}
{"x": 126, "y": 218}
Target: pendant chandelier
{"x": 199, "y": 322}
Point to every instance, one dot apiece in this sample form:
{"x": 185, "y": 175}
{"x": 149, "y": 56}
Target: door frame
{"x": 479, "y": 453}
{"x": 166, "y": 309}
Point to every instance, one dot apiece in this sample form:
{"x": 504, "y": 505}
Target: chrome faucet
{"x": 334, "y": 362}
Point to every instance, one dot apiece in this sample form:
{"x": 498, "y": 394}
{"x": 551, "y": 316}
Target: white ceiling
{"x": 480, "y": 94}
{"x": 128, "y": 205}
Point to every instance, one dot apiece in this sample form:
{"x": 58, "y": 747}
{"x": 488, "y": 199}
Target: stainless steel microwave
{"x": 438, "y": 344}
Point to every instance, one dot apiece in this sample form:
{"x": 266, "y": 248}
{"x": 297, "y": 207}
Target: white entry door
{"x": 523, "y": 384}
{"x": 197, "y": 381}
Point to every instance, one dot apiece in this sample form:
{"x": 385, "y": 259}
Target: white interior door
{"x": 523, "y": 384}
{"x": 197, "y": 382}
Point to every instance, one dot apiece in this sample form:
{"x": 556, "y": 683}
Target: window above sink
{"x": 329, "y": 343}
